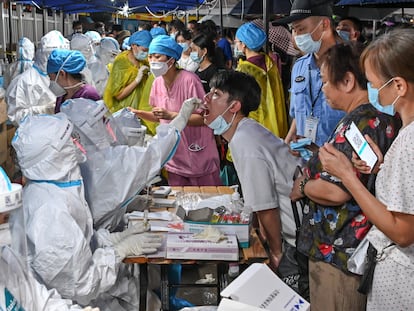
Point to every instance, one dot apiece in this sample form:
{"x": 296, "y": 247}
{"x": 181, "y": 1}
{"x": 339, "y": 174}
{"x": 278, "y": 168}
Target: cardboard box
{"x": 185, "y": 246}
{"x": 3, "y": 110}
{"x": 242, "y": 231}
{"x": 198, "y": 217}
{"x": 258, "y": 286}
{"x": 3, "y": 143}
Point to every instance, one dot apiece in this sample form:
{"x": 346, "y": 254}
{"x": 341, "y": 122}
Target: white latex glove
{"x": 189, "y": 105}
{"x": 138, "y": 244}
{"x": 139, "y": 227}
{"x": 141, "y": 72}
{"x": 90, "y": 309}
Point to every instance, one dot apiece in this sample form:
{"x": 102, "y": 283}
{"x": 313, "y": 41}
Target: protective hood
{"x": 44, "y": 148}
{"x": 50, "y": 41}
{"x": 83, "y": 43}
{"x": 26, "y": 49}
{"x": 25, "y": 55}
{"x": 94, "y": 125}
{"x": 130, "y": 126}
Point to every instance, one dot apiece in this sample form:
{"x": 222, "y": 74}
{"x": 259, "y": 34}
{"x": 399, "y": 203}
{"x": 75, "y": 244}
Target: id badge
{"x": 311, "y": 125}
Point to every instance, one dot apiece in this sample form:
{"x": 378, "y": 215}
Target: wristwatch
{"x": 302, "y": 184}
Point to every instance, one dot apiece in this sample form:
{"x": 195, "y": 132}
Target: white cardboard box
{"x": 258, "y": 286}
{"x": 183, "y": 246}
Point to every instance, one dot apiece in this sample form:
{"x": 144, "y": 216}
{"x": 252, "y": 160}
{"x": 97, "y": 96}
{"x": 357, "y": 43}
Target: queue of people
{"x": 80, "y": 172}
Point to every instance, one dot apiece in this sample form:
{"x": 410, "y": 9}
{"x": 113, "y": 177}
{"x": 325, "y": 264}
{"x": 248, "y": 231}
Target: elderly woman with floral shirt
{"x": 333, "y": 224}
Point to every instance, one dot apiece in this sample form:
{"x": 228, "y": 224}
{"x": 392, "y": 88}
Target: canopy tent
{"x": 378, "y": 3}
{"x": 255, "y": 7}
{"x": 363, "y": 13}
{"x": 370, "y": 9}
{"x": 123, "y": 7}
{"x": 228, "y": 20}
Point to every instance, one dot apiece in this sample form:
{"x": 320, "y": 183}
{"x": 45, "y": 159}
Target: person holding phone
{"x": 333, "y": 224}
{"x": 389, "y": 68}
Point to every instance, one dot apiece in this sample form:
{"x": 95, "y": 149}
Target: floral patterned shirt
{"x": 331, "y": 233}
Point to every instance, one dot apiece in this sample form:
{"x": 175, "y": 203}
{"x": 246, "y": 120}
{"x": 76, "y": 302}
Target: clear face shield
{"x": 131, "y": 127}
{"x": 94, "y": 126}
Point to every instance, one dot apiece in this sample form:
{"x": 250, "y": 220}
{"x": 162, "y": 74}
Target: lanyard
{"x": 313, "y": 100}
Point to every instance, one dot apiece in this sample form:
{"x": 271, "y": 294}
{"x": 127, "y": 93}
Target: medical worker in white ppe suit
{"x": 114, "y": 172}
{"x": 25, "y": 54}
{"x": 59, "y": 231}
{"x": 19, "y": 290}
{"x": 29, "y": 92}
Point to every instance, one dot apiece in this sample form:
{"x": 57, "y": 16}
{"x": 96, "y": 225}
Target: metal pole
{"x": 221, "y": 17}
{"x": 9, "y": 52}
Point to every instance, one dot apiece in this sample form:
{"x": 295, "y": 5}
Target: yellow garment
{"x": 122, "y": 73}
{"x": 272, "y": 109}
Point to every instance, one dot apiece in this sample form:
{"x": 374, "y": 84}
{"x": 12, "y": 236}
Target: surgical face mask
{"x": 141, "y": 55}
{"x": 184, "y": 45}
{"x": 56, "y": 88}
{"x": 237, "y": 52}
{"x": 345, "y": 35}
{"x": 373, "y": 96}
{"x": 195, "y": 58}
{"x": 220, "y": 125}
{"x": 306, "y": 44}
{"x": 159, "y": 68}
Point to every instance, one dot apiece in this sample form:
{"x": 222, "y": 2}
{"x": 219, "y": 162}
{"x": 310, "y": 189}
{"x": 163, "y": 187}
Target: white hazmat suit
{"x": 25, "y": 55}
{"x": 59, "y": 223}
{"x": 114, "y": 174}
{"x": 29, "y": 92}
{"x": 19, "y": 290}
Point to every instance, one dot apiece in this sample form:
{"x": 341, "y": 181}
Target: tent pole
{"x": 374, "y": 29}
{"x": 221, "y": 17}
{"x": 267, "y": 7}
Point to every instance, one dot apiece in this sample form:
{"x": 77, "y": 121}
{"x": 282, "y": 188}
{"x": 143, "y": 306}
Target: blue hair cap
{"x": 70, "y": 61}
{"x": 251, "y": 35}
{"x": 165, "y": 45}
{"x": 141, "y": 38}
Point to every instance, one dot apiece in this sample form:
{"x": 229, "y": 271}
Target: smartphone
{"x": 360, "y": 145}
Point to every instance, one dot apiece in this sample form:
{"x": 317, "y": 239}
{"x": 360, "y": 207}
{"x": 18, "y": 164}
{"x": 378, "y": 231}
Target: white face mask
{"x": 306, "y": 44}
{"x": 159, "y": 68}
{"x": 219, "y": 125}
{"x": 56, "y": 88}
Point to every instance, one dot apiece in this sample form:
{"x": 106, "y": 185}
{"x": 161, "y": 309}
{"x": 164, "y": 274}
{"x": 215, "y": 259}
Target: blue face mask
{"x": 219, "y": 125}
{"x": 373, "y": 96}
{"x": 306, "y": 44}
{"x": 195, "y": 58}
{"x": 141, "y": 55}
{"x": 184, "y": 45}
{"x": 344, "y": 34}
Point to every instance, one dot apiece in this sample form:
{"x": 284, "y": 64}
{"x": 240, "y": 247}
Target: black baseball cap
{"x": 302, "y": 9}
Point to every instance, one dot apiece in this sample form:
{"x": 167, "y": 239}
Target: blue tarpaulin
{"x": 135, "y": 6}
{"x": 377, "y": 3}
